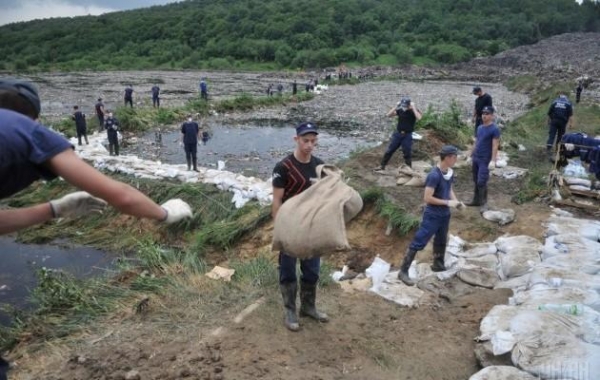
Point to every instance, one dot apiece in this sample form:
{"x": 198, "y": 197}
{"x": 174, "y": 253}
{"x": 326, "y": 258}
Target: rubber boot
{"x": 86, "y": 140}
{"x": 116, "y": 149}
{"x": 408, "y": 162}
{"x": 409, "y": 256}
{"x": 195, "y": 165}
{"x": 189, "y": 163}
{"x": 438, "y": 258}
{"x": 476, "y": 197}
{"x": 110, "y": 149}
{"x": 308, "y": 295}
{"x": 484, "y": 192}
{"x": 288, "y": 291}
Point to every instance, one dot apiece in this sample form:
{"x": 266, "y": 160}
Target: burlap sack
{"x": 313, "y": 223}
{"x": 416, "y": 181}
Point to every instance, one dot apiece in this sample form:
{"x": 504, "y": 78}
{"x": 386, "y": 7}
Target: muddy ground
{"x": 368, "y": 337}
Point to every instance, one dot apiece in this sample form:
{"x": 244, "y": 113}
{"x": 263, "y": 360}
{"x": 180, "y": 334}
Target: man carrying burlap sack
{"x": 292, "y": 176}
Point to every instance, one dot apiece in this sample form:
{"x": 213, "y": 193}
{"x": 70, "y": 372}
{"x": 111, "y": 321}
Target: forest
{"x": 286, "y": 34}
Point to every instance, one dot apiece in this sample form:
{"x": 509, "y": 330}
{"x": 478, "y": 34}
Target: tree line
{"x": 286, "y": 34}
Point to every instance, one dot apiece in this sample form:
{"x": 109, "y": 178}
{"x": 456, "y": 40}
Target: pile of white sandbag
{"x": 243, "y": 188}
{"x": 415, "y": 176}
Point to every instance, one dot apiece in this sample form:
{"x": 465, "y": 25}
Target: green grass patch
{"x": 400, "y": 219}
{"x": 448, "y": 125}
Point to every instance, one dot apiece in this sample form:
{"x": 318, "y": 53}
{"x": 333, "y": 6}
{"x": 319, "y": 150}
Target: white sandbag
{"x": 498, "y": 318}
{"x": 552, "y": 356}
{"x": 475, "y": 250}
{"x": 502, "y": 373}
{"x": 508, "y": 243}
{"x": 581, "y": 261}
{"x": 589, "y": 229}
{"x": 502, "y": 217}
{"x": 563, "y": 277}
{"x": 517, "y": 262}
{"x": 377, "y": 271}
{"x": 402, "y": 180}
{"x": 579, "y": 187}
{"x": 477, "y": 276}
{"x": 516, "y": 283}
{"x": 396, "y": 291}
{"x": 578, "y": 181}
{"x": 416, "y": 181}
{"x": 541, "y": 295}
{"x": 486, "y": 262}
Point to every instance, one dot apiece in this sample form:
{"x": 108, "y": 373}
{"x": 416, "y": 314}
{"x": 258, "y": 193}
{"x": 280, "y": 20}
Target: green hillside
{"x": 255, "y": 34}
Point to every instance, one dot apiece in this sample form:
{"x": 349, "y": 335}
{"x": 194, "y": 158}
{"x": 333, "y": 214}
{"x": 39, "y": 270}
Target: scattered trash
{"x": 220, "y": 273}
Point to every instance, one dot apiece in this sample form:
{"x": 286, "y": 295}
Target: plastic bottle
{"x": 566, "y": 308}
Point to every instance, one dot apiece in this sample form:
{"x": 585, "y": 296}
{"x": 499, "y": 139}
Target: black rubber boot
{"x": 408, "y": 162}
{"x": 189, "y": 163}
{"x": 195, "y": 165}
{"x": 438, "y": 258}
{"x": 4, "y": 367}
{"x": 409, "y": 256}
{"x": 110, "y": 149}
{"x": 86, "y": 140}
{"x": 484, "y": 192}
{"x": 288, "y": 291}
{"x": 117, "y": 149}
{"x": 308, "y": 295}
{"x": 476, "y": 197}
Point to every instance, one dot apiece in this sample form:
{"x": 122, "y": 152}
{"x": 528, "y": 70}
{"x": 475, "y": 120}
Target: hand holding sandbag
{"x": 455, "y": 204}
{"x": 76, "y": 204}
{"x": 492, "y": 165}
{"x": 176, "y": 210}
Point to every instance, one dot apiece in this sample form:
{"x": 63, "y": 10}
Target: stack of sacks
{"x": 414, "y": 176}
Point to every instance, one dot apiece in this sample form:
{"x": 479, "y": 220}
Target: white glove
{"x": 454, "y": 204}
{"x": 492, "y": 165}
{"x": 76, "y": 204}
{"x": 569, "y": 147}
{"x": 176, "y": 210}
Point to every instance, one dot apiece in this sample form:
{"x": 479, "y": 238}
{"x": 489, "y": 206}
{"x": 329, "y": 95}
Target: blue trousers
{"x": 309, "y": 269}
{"x": 556, "y": 130}
{"x": 431, "y": 225}
{"x": 403, "y": 140}
{"x": 480, "y": 171}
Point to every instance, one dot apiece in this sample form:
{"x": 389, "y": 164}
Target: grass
{"x": 448, "y": 125}
{"x": 401, "y": 220}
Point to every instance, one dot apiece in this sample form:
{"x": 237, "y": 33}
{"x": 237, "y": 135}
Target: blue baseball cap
{"x": 487, "y": 109}
{"x": 448, "y": 150}
{"x": 305, "y": 128}
{"x": 25, "y": 89}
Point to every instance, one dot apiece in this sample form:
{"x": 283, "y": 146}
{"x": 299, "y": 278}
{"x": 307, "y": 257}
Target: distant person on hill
{"x": 270, "y": 90}
{"x": 80, "y": 125}
{"x": 189, "y": 139}
{"x": 279, "y": 89}
{"x": 205, "y": 137}
{"x": 408, "y": 114}
{"x": 30, "y": 152}
{"x": 439, "y": 198}
{"x": 203, "y": 89}
{"x": 111, "y": 124}
{"x": 578, "y": 91}
{"x": 560, "y": 114}
{"x": 294, "y": 88}
{"x": 484, "y": 156}
{"x": 155, "y": 96}
{"x": 100, "y": 114}
{"x": 129, "y": 95}
{"x": 482, "y": 100}
{"x": 292, "y": 176}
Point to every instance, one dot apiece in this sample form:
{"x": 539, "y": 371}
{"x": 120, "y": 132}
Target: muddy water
{"x": 20, "y": 261}
{"x": 248, "y": 149}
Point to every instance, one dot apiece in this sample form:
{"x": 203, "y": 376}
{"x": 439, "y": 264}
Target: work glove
{"x": 76, "y": 204}
{"x": 492, "y": 165}
{"x": 456, "y": 204}
{"x": 569, "y": 146}
{"x": 176, "y": 210}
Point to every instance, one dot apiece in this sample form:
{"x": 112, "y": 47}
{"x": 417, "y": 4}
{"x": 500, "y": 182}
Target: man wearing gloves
{"x": 189, "y": 140}
{"x": 484, "y": 156}
{"x": 291, "y": 176}
{"x": 408, "y": 115}
{"x": 560, "y": 115}
{"x": 111, "y": 124}
{"x": 439, "y": 198}
{"x": 30, "y": 151}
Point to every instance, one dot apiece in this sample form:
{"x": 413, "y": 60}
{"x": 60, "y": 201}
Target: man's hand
{"x": 492, "y": 165}
{"x": 76, "y": 204}
{"x": 176, "y": 210}
{"x": 569, "y": 147}
{"x": 456, "y": 204}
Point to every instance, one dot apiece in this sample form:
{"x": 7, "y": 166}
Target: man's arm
{"x": 495, "y": 144}
{"x": 17, "y": 219}
{"x": 277, "y": 200}
{"x": 430, "y": 199}
{"x": 392, "y": 112}
{"x": 121, "y": 196}
{"x": 416, "y": 111}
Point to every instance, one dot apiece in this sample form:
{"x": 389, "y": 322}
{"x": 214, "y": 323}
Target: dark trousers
{"x": 403, "y": 140}
{"x": 101, "y": 123}
{"x": 432, "y": 224}
{"x": 82, "y": 132}
{"x": 556, "y": 131}
{"x": 480, "y": 171}
{"x": 155, "y": 101}
{"x": 309, "y": 269}
{"x": 204, "y": 95}
{"x": 129, "y": 101}
{"x": 191, "y": 150}
{"x": 113, "y": 143}
{"x": 578, "y": 97}
{"x": 3, "y": 369}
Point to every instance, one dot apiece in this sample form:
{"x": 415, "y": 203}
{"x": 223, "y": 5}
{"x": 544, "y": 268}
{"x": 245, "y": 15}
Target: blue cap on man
{"x": 306, "y": 128}
{"x": 487, "y": 109}
{"x": 24, "y": 89}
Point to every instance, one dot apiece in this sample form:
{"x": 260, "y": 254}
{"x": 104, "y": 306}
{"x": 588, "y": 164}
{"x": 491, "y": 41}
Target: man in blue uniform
{"x": 80, "y": 125}
{"x": 155, "y": 96}
{"x": 439, "y": 198}
{"x": 129, "y": 96}
{"x": 291, "y": 176}
{"x": 30, "y": 151}
{"x": 111, "y": 124}
{"x": 189, "y": 139}
{"x": 484, "y": 155}
{"x": 483, "y": 100}
{"x": 100, "y": 114}
{"x": 203, "y": 89}
{"x": 408, "y": 115}
{"x": 560, "y": 114}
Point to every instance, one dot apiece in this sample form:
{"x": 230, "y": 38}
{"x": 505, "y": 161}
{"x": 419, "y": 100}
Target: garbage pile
{"x": 243, "y": 188}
